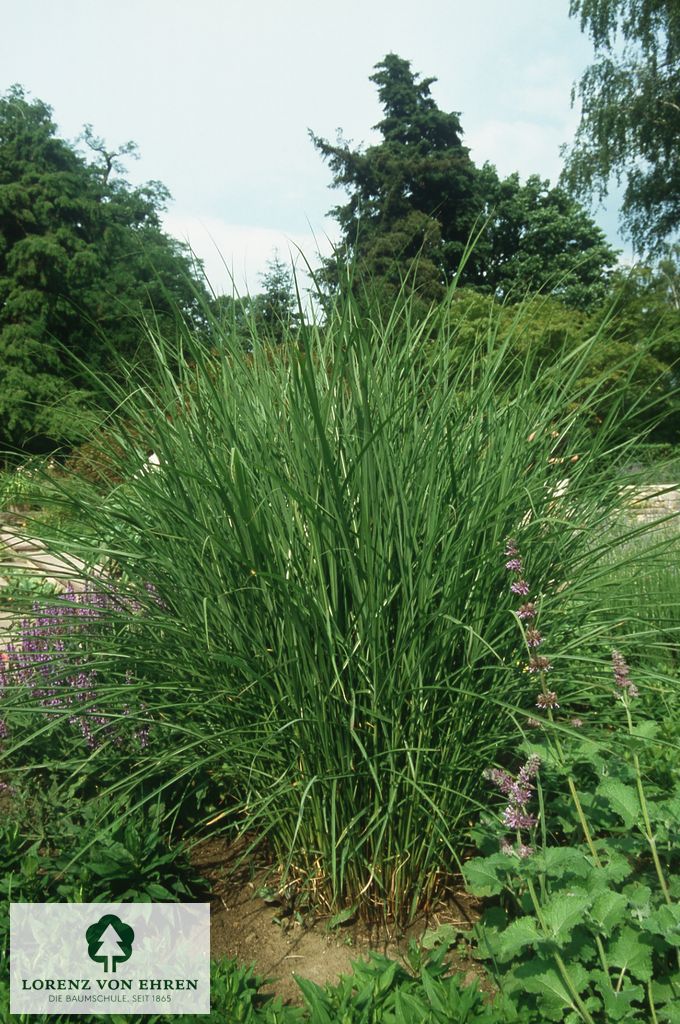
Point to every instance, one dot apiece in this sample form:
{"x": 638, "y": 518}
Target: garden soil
{"x": 281, "y": 945}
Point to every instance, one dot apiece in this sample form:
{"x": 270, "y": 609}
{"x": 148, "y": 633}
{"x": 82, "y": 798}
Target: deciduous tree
{"x": 630, "y": 114}
{"x": 538, "y": 238}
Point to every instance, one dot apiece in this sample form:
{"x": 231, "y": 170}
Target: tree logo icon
{"x": 109, "y": 942}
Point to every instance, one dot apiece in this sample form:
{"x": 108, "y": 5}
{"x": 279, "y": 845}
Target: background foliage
{"x": 630, "y": 114}
{"x": 82, "y": 261}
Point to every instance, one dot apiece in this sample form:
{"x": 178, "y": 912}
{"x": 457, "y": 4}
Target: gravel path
{"x": 24, "y": 554}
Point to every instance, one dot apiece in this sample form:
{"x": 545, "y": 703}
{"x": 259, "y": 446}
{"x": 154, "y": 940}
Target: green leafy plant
{"x": 381, "y": 990}
{"x": 584, "y": 939}
{"x": 21, "y": 875}
{"x": 125, "y": 861}
{"x": 589, "y": 923}
{"x": 22, "y": 587}
{"x": 235, "y": 997}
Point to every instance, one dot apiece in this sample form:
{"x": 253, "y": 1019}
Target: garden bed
{"x": 282, "y": 942}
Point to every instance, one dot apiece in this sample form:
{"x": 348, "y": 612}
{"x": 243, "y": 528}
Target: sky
{"x": 219, "y": 96}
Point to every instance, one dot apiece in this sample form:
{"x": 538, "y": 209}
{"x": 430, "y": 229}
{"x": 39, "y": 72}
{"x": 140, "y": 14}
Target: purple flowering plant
{"x": 588, "y": 884}
{"x": 48, "y": 666}
{"x": 519, "y": 791}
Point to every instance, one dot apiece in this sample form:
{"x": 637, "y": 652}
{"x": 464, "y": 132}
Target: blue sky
{"x": 219, "y": 95}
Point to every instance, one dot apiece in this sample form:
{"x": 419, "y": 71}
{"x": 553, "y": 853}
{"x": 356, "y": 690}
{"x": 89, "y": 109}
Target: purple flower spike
{"x": 522, "y": 851}
{"x": 534, "y": 638}
{"x": 516, "y": 819}
{"x": 514, "y": 565}
{"x": 520, "y": 587}
{"x": 520, "y": 794}
{"x": 527, "y": 611}
{"x": 539, "y": 663}
{"x": 622, "y": 675}
{"x": 519, "y": 791}
{"x": 530, "y": 769}
{"x": 49, "y": 658}
{"x": 501, "y": 779}
{"x": 511, "y": 548}
{"x": 546, "y": 701}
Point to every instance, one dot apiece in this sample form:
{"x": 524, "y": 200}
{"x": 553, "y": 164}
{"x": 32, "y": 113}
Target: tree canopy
{"x": 538, "y": 238}
{"x": 416, "y": 200}
{"x": 413, "y": 197}
{"x": 276, "y": 306}
{"x": 82, "y": 259}
{"x": 630, "y": 114}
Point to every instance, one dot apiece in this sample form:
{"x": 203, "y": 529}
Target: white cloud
{"x": 234, "y": 255}
{"x": 525, "y": 146}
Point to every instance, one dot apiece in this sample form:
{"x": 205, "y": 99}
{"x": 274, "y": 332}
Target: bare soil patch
{"x": 281, "y": 944}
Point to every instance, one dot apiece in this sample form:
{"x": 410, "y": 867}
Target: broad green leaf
{"x": 341, "y": 917}
{"x": 522, "y": 932}
{"x": 563, "y": 912}
{"x": 446, "y": 935}
{"x": 387, "y": 976}
{"x": 488, "y": 932}
{"x": 558, "y": 860}
{"x": 618, "y": 1005}
{"x": 608, "y": 910}
{"x": 409, "y": 1008}
{"x": 483, "y": 874}
{"x": 666, "y": 989}
{"x": 615, "y": 867}
{"x": 639, "y": 897}
{"x": 158, "y": 892}
{"x": 669, "y": 1014}
{"x": 433, "y": 992}
{"x": 543, "y": 978}
{"x": 647, "y": 729}
{"x": 665, "y": 922}
{"x": 317, "y": 1001}
{"x": 622, "y": 799}
{"x": 668, "y": 811}
{"x": 631, "y": 951}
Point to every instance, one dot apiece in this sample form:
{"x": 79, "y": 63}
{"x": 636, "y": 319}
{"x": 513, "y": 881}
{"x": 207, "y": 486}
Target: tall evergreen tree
{"x": 414, "y": 196}
{"x": 276, "y": 305}
{"x": 416, "y": 200}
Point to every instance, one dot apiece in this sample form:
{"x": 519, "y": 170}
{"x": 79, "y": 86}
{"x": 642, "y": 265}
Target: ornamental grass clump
{"x": 322, "y": 528}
